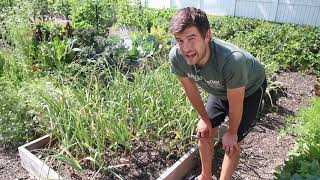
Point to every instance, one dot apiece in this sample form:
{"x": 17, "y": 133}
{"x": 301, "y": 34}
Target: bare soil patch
{"x": 265, "y": 148}
{"x": 10, "y": 167}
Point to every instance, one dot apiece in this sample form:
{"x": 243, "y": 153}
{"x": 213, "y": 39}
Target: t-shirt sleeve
{"x": 175, "y": 63}
{"x": 235, "y": 70}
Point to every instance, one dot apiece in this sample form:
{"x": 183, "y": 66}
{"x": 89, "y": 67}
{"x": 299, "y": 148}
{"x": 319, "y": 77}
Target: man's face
{"x": 194, "y": 48}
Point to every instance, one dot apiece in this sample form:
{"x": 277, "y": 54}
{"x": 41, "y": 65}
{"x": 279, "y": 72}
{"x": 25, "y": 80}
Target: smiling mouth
{"x": 191, "y": 55}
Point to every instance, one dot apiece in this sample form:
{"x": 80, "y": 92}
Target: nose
{"x": 186, "y": 47}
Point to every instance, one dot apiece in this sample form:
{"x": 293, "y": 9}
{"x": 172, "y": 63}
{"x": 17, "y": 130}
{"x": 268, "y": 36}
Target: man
{"x": 234, "y": 79}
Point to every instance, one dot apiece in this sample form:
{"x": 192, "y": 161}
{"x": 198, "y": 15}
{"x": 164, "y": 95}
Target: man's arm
{"x": 235, "y": 99}
{"x": 194, "y": 97}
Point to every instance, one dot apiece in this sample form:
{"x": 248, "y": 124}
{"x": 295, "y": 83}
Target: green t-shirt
{"x": 228, "y": 67}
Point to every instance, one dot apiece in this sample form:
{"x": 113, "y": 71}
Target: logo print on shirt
{"x": 210, "y": 83}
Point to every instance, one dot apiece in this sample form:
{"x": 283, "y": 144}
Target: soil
{"x": 146, "y": 161}
{"x": 262, "y": 150}
{"x": 10, "y": 167}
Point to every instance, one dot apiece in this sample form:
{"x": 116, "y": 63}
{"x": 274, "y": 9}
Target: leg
{"x": 216, "y": 111}
{"x": 206, "y": 155}
{"x": 230, "y": 163}
{"x": 249, "y": 116}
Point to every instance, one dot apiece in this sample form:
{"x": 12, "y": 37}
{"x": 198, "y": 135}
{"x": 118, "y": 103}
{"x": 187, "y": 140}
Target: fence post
{"x": 276, "y": 13}
{"x": 234, "y": 8}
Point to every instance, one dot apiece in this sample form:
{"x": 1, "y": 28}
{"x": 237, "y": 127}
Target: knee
{"x": 207, "y": 139}
{"x": 206, "y": 142}
{"x": 235, "y": 154}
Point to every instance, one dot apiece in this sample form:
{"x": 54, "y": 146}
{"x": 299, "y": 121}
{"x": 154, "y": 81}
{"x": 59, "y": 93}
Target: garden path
{"x": 265, "y": 148}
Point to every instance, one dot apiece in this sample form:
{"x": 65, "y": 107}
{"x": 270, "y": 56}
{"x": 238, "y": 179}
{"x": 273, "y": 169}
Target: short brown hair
{"x": 187, "y": 17}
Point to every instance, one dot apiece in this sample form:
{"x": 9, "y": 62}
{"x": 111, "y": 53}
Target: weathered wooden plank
{"x": 38, "y": 143}
{"x": 183, "y": 166}
{"x": 34, "y": 165}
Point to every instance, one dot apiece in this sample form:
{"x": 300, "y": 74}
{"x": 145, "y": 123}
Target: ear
{"x": 208, "y": 36}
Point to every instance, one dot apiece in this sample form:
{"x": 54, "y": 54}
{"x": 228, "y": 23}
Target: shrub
{"x": 55, "y": 54}
{"x": 132, "y": 14}
{"x": 285, "y": 46}
{"x": 19, "y": 108}
{"x": 18, "y": 122}
{"x": 225, "y": 27}
{"x": 16, "y": 25}
{"x": 143, "y": 19}
{"x": 98, "y": 15}
{"x": 304, "y": 162}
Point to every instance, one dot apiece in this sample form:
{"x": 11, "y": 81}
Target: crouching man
{"x": 234, "y": 79}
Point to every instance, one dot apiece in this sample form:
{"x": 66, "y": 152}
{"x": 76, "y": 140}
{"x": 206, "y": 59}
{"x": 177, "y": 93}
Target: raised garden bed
{"x": 33, "y": 164}
{"x": 38, "y": 169}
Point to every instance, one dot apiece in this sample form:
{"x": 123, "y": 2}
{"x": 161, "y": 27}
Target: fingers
{"x": 202, "y": 134}
{"x": 226, "y": 149}
{"x": 237, "y": 147}
{"x": 230, "y": 149}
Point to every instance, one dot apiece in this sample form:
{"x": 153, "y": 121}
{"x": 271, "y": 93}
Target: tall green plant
{"x": 16, "y": 25}
{"x": 132, "y": 14}
{"x": 62, "y": 7}
{"x": 54, "y": 54}
{"x": 96, "y": 119}
{"x": 98, "y": 15}
{"x": 40, "y": 9}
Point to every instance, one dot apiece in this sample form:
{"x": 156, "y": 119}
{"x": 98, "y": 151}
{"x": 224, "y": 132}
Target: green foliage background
{"x": 95, "y": 95}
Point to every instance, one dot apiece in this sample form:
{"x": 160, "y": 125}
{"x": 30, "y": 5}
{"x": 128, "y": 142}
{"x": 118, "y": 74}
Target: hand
{"x": 229, "y": 142}
{"x": 203, "y": 129}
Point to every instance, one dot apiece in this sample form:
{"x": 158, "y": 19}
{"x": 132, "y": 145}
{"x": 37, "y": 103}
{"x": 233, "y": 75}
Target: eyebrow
{"x": 192, "y": 35}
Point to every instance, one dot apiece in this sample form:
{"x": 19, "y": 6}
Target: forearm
{"x": 235, "y": 115}
{"x": 197, "y": 103}
{"x": 235, "y": 99}
{"x": 193, "y": 94}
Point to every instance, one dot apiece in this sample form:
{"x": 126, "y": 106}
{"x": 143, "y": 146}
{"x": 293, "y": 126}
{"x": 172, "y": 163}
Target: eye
{"x": 179, "y": 41}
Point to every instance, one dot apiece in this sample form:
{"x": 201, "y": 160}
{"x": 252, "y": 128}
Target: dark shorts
{"x": 218, "y": 109}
